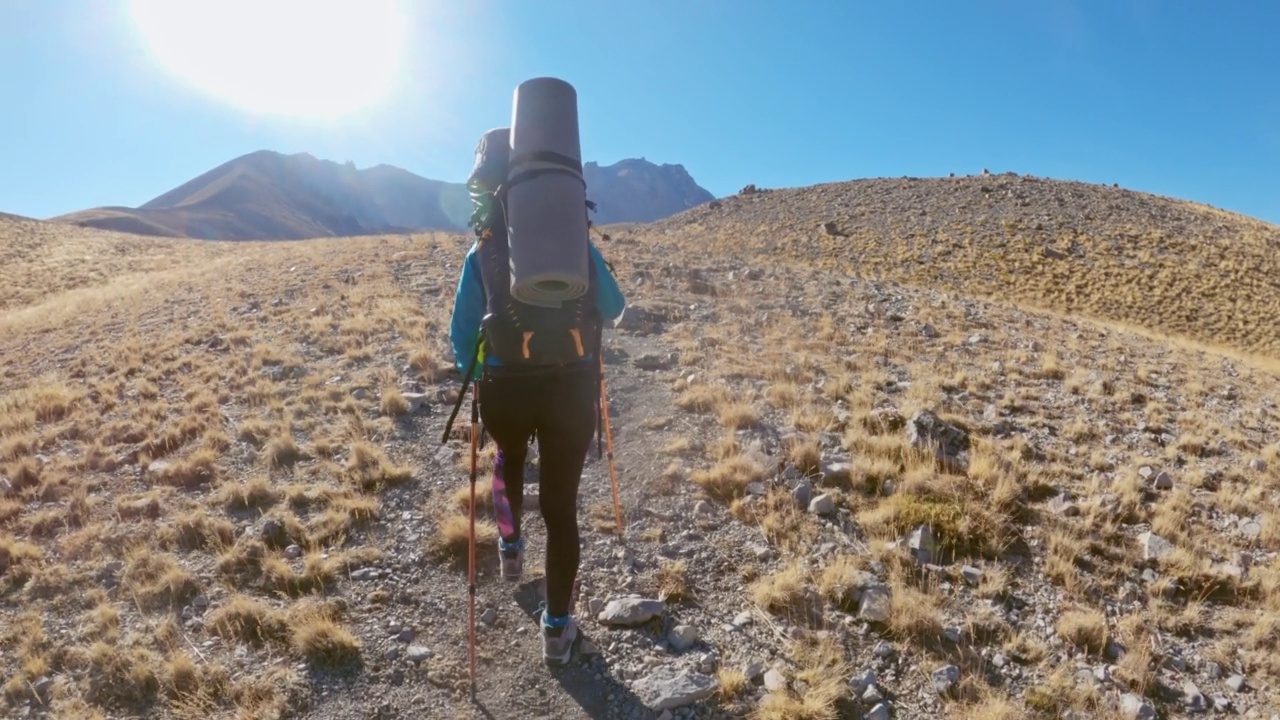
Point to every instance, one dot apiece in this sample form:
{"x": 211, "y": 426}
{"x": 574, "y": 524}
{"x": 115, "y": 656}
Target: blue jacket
{"x": 469, "y": 306}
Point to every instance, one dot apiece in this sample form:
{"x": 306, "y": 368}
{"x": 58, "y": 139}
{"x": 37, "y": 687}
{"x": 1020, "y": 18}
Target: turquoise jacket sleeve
{"x": 610, "y": 298}
{"x": 468, "y": 313}
{"x": 469, "y": 305}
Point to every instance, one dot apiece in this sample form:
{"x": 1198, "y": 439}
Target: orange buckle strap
{"x": 527, "y": 335}
{"x": 577, "y": 341}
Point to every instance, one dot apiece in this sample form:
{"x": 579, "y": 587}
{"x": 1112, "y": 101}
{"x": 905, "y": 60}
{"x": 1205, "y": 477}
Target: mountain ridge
{"x": 268, "y": 195}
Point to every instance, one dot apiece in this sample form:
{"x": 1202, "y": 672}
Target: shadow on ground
{"x": 587, "y": 679}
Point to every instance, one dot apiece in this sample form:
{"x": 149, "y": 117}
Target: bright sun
{"x": 318, "y": 59}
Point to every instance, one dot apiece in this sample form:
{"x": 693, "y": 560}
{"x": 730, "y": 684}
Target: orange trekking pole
{"x": 471, "y": 540}
{"x": 608, "y": 433}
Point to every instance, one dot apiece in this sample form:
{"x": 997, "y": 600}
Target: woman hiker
{"x": 552, "y": 392}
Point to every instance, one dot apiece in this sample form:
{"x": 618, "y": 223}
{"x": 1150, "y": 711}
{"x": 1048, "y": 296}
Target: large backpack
{"x": 517, "y": 334}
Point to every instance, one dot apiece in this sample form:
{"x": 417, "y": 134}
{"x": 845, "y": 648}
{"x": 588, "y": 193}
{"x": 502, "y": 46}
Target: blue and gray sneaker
{"x": 558, "y": 636}
{"x": 511, "y": 557}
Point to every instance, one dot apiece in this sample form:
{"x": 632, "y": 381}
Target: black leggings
{"x": 562, "y": 410}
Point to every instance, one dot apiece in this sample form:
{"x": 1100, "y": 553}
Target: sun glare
{"x": 320, "y": 59}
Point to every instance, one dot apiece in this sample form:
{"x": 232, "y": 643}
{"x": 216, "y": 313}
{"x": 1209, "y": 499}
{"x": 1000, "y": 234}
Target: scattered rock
{"x": 803, "y": 494}
{"x": 1250, "y": 528}
{"x": 1193, "y": 698}
{"x": 416, "y": 401}
{"x": 630, "y": 611}
{"x": 836, "y": 472}
{"x": 1061, "y": 505}
{"x": 886, "y": 420}
{"x": 879, "y": 712}
{"x": 945, "y": 678}
{"x": 653, "y": 361}
{"x": 949, "y": 444}
{"x": 668, "y": 688}
{"x": 875, "y": 604}
{"x": 273, "y": 533}
{"x": 923, "y": 545}
{"x": 823, "y": 504}
{"x": 862, "y": 682}
{"x": 774, "y": 681}
{"x": 1137, "y": 707}
{"x": 682, "y": 637}
{"x": 43, "y": 686}
{"x": 1154, "y": 547}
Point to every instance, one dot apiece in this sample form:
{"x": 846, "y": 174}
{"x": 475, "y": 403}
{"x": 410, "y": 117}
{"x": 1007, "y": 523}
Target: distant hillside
{"x": 268, "y": 195}
{"x": 640, "y": 191}
{"x": 1172, "y": 266}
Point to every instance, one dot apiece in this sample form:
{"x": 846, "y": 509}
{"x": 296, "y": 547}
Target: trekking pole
{"x": 471, "y": 539}
{"x": 462, "y": 392}
{"x": 608, "y": 434}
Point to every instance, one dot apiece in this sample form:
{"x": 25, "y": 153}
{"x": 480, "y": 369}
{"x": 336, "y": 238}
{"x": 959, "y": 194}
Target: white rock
{"x": 774, "y": 681}
{"x": 630, "y": 611}
{"x": 875, "y": 604}
{"x": 667, "y": 688}
{"x": 823, "y": 504}
{"x": 944, "y": 678}
{"x": 1154, "y": 547}
{"x": 1136, "y": 707}
{"x": 682, "y": 637}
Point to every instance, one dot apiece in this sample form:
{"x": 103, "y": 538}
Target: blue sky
{"x": 1177, "y": 98}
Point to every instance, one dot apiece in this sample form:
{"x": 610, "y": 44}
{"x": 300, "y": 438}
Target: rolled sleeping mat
{"x": 546, "y": 196}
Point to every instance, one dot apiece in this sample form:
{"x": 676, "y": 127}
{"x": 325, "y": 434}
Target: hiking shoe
{"x": 511, "y": 557}
{"x": 557, "y": 642}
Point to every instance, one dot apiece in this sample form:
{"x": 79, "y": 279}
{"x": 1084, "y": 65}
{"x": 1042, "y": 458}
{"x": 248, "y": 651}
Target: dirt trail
{"x": 512, "y": 681}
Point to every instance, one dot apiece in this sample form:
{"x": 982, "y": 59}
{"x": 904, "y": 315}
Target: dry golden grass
{"x": 157, "y": 397}
{"x": 1052, "y": 404}
{"x": 191, "y": 396}
{"x": 823, "y": 668}
{"x": 1165, "y": 265}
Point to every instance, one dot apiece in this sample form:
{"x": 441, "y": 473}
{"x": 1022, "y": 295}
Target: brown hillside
{"x": 40, "y": 260}
{"x": 269, "y": 196}
{"x": 223, "y": 495}
{"x": 1167, "y": 265}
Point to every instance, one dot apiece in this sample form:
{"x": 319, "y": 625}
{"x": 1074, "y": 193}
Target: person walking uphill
{"x": 538, "y": 374}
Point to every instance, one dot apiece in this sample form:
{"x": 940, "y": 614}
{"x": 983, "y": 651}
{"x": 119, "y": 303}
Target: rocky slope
{"x": 1160, "y": 264}
{"x": 842, "y": 497}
